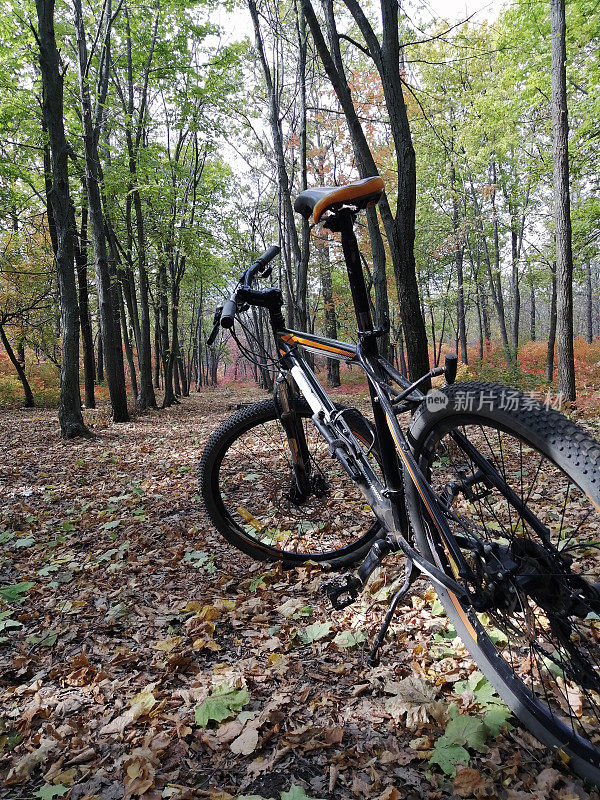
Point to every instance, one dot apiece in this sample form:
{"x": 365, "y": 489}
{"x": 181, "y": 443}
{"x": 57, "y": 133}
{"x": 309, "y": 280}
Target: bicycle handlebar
{"x": 228, "y": 314}
{"x": 260, "y": 263}
{"x": 225, "y": 315}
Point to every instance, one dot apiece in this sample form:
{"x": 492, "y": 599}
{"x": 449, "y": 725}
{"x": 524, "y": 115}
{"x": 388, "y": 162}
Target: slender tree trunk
{"x": 70, "y": 417}
{"x": 100, "y": 370}
{"x": 29, "y": 401}
{"x": 552, "y": 330}
{"x": 458, "y": 258}
{"x": 89, "y": 368}
{"x": 496, "y": 279}
{"x": 163, "y": 311}
{"x": 514, "y": 239}
{"x": 562, "y": 203}
{"x": 532, "y": 308}
{"x": 493, "y": 273}
{"x": 302, "y": 277}
{"x": 589, "y": 303}
{"x": 108, "y": 313}
{"x": 283, "y": 182}
{"x": 157, "y": 352}
{"x": 400, "y": 231}
{"x": 333, "y": 365}
{"x": 127, "y": 344}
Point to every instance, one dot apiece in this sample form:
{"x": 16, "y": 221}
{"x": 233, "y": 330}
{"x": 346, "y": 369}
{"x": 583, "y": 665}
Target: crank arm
{"x": 344, "y": 590}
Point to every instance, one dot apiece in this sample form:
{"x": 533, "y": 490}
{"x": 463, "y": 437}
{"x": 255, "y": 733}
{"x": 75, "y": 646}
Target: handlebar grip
{"x": 211, "y": 339}
{"x": 228, "y": 314}
{"x": 450, "y": 367}
{"x": 267, "y": 256}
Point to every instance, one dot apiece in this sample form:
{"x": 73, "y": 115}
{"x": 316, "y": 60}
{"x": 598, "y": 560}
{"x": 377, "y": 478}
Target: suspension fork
{"x": 291, "y": 422}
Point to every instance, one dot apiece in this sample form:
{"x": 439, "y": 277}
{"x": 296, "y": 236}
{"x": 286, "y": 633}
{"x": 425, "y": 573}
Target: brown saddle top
{"x": 319, "y": 199}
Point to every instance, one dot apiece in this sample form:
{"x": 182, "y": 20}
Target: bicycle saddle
{"x": 319, "y": 199}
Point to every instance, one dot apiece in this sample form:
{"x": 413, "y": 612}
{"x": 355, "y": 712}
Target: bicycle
{"x": 492, "y": 495}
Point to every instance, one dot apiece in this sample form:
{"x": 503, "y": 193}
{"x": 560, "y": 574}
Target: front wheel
{"x": 527, "y": 519}
{"x": 249, "y": 491}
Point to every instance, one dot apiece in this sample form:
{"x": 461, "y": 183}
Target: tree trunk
{"x": 108, "y": 313}
{"x": 71, "y": 419}
{"x": 127, "y": 344}
{"x": 458, "y": 257}
{"x": 514, "y": 240}
{"x": 100, "y": 370}
{"x": 400, "y": 232}
{"x": 532, "y": 332}
{"x": 289, "y": 227}
{"x": 589, "y": 303}
{"x": 163, "y": 314}
{"x": 496, "y": 279}
{"x": 157, "y": 352}
{"x": 493, "y": 274}
{"x": 29, "y": 401}
{"x": 551, "y": 331}
{"x": 89, "y": 368}
{"x": 399, "y": 227}
{"x": 333, "y": 365}
{"x": 562, "y": 203}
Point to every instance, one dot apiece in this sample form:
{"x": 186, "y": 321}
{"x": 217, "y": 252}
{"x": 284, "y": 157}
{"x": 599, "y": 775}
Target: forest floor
{"x": 122, "y": 610}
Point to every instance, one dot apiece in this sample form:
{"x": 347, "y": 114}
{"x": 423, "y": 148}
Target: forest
{"x": 148, "y": 155}
{"x": 180, "y": 157}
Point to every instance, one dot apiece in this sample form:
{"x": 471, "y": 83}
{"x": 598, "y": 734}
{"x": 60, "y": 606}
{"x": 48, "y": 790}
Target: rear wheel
{"x": 533, "y": 546}
{"x": 250, "y": 494}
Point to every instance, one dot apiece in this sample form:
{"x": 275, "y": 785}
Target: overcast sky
{"x": 238, "y": 24}
{"x": 453, "y": 10}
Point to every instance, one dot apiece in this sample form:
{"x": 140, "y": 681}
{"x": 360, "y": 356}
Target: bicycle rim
{"x": 544, "y": 652}
{"x": 254, "y": 491}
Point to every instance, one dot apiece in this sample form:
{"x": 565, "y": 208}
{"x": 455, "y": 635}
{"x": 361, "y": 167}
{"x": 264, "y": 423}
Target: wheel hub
{"x": 317, "y": 487}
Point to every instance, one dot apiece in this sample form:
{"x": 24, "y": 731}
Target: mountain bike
{"x": 491, "y": 494}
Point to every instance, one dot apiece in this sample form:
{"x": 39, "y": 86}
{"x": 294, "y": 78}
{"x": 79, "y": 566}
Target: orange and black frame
{"x": 386, "y": 499}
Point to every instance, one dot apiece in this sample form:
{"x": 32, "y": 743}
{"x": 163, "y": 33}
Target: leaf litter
{"x": 143, "y": 657}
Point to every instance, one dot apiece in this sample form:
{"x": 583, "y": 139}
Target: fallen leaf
{"x": 246, "y": 742}
{"x": 221, "y": 704}
{"x": 412, "y": 696}
{"x": 29, "y": 762}
{"x": 467, "y": 782}
{"x": 49, "y": 791}
{"x": 140, "y": 770}
{"x": 166, "y": 645}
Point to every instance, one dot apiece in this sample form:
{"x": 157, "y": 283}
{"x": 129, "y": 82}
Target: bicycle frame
{"x": 387, "y": 501}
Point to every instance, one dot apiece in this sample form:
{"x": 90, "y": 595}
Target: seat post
{"x": 358, "y": 288}
{"x": 368, "y": 343}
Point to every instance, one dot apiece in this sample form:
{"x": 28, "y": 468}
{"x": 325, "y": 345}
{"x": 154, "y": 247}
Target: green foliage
{"x": 295, "y": 793}
{"x": 200, "y": 560}
{"x": 462, "y": 731}
{"x": 468, "y": 731}
{"x": 315, "y": 632}
{"x": 7, "y": 624}
{"x": 51, "y": 791}
{"x": 223, "y": 703}
{"x": 350, "y": 639}
{"x": 16, "y": 592}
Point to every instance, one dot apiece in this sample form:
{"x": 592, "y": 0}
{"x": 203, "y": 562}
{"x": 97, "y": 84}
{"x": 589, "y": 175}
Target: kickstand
{"x": 412, "y": 573}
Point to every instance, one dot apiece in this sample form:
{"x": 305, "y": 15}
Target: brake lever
{"x": 216, "y": 326}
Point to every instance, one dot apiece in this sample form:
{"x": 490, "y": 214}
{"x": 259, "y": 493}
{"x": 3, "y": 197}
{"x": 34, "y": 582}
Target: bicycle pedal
{"x": 342, "y": 592}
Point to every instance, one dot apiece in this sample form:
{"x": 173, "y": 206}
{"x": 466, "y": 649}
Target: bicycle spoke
{"x": 551, "y": 663}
